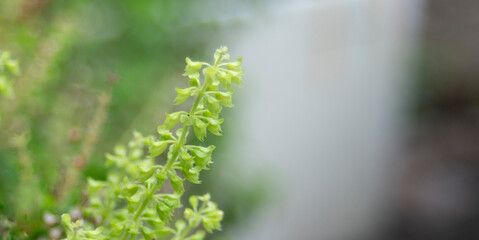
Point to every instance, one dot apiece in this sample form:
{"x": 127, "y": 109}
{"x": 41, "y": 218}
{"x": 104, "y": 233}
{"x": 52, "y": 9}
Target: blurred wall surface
{"x": 321, "y": 112}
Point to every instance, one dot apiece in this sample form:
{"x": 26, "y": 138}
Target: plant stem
{"x": 170, "y": 162}
{"x": 185, "y": 232}
{"x": 193, "y": 222}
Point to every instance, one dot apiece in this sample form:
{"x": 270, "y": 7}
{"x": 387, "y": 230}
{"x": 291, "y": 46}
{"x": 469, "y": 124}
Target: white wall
{"x": 321, "y": 108}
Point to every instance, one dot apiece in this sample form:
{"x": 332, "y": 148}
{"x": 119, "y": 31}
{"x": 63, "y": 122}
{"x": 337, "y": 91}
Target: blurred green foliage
{"x": 92, "y": 72}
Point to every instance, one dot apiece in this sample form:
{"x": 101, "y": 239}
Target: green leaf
{"x": 157, "y": 148}
{"x": 199, "y": 128}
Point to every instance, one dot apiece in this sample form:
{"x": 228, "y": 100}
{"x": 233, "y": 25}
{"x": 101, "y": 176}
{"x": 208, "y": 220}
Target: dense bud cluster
{"x": 129, "y": 204}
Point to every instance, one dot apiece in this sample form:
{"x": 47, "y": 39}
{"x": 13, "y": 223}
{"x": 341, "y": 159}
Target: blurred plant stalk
{"x": 71, "y": 176}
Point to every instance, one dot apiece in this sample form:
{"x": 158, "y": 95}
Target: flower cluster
{"x": 130, "y": 203}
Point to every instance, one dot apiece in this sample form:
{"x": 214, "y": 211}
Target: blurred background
{"x": 359, "y": 119}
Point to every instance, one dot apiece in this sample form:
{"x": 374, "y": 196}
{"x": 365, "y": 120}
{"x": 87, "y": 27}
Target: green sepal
{"x": 215, "y": 129}
{"x": 224, "y": 98}
{"x": 133, "y": 228}
{"x": 95, "y": 234}
{"x": 199, "y": 127}
{"x": 146, "y": 171}
{"x": 236, "y": 65}
{"x": 225, "y": 79}
{"x": 194, "y": 80}
{"x": 213, "y": 121}
{"x": 171, "y": 120}
{"x": 202, "y": 155}
{"x": 186, "y": 120}
{"x": 166, "y": 205}
{"x": 176, "y": 182}
{"x": 210, "y": 75}
{"x": 161, "y": 175}
{"x": 187, "y": 168}
{"x": 236, "y": 78}
{"x": 147, "y": 233}
{"x": 213, "y": 86}
{"x": 192, "y": 67}
{"x": 157, "y": 147}
{"x": 193, "y": 201}
{"x": 182, "y": 95}
{"x": 192, "y": 174}
{"x": 94, "y": 184}
{"x": 128, "y": 189}
{"x": 180, "y": 225}
{"x": 213, "y": 104}
{"x": 202, "y": 152}
{"x": 199, "y": 235}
